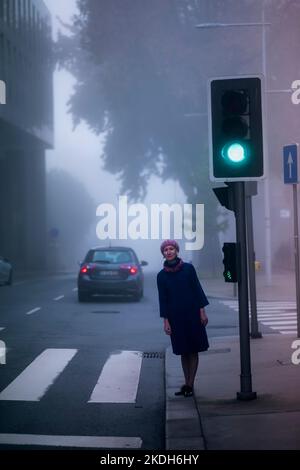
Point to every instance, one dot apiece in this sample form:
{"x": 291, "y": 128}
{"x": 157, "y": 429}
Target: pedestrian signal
{"x": 230, "y": 272}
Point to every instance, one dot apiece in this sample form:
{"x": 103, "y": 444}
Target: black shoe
{"x": 188, "y": 392}
{"x": 181, "y": 391}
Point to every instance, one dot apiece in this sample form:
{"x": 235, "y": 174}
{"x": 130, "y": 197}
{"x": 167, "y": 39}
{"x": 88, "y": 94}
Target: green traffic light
{"x": 234, "y": 152}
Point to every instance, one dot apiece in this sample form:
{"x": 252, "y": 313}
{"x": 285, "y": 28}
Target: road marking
{"x": 33, "y": 310}
{"x": 291, "y": 332}
{"x": 59, "y": 297}
{"x": 283, "y": 322}
{"x": 282, "y": 315}
{"x": 273, "y": 310}
{"x": 280, "y": 304}
{"x": 279, "y": 316}
{"x": 75, "y": 289}
{"x": 2, "y": 328}
{"x": 269, "y": 310}
{"x": 35, "y": 380}
{"x": 119, "y": 379}
{"x": 281, "y": 327}
{"x": 107, "y": 442}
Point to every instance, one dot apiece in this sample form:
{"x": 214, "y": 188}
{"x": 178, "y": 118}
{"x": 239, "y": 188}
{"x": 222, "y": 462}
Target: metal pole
{"x": 296, "y": 243}
{"x": 234, "y": 289}
{"x": 246, "y": 392}
{"x": 267, "y": 179}
{"x": 251, "y": 269}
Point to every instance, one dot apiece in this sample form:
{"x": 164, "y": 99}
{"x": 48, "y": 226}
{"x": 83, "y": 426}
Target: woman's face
{"x": 170, "y": 253}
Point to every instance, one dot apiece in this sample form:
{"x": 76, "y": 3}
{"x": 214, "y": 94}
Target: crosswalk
{"x": 119, "y": 379}
{"x": 98, "y": 442}
{"x": 279, "y": 316}
{"x": 35, "y": 380}
{"x": 118, "y": 382}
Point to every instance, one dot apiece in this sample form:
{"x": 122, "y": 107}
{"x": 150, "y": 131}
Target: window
{"x": 110, "y": 256}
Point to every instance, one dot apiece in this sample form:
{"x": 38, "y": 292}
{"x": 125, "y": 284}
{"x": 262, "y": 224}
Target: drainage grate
{"x": 153, "y": 355}
{"x": 105, "y": 311}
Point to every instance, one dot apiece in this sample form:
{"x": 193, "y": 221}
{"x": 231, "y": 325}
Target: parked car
{"x": 6, "y": 271}
{"x": 113, "y": 271}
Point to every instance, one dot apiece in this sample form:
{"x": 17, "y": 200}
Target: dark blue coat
{"x": 180, "y": 299}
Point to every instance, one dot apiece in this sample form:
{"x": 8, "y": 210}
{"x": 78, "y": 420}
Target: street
{"x": 91, "y": 375}
{"x": 64, "y": 345}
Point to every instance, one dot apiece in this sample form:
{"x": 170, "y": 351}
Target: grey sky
{"x": 79, "y": 151}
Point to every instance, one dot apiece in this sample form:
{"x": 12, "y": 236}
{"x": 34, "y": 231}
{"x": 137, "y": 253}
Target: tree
{"x": 141, "y": 69}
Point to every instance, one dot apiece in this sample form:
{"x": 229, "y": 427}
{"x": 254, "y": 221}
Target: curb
{"x": 183, "y": 428}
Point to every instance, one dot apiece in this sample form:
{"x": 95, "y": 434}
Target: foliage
{"x": 142, "y": 70}
{"x": 136, "y": 81}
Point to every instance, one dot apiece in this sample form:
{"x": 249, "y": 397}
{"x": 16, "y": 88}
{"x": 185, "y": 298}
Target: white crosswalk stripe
{"x": 98, "y": 442}
{"x": 35, "y": 380}
{"x": 117, "y": 383}
{"x": 279, "y": 316}
{"x": 119, "y": 379}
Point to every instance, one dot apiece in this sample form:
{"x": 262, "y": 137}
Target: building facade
{"x": 26, "y": 129}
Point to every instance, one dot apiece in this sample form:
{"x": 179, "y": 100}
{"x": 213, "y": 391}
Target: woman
{"x": 182, "y": 302}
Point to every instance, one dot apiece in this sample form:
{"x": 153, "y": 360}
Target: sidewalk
{"x": 282, "y": 288}
{"x": 214, "y": 419}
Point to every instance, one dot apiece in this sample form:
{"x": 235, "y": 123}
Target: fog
{"x": 79, "y": 152}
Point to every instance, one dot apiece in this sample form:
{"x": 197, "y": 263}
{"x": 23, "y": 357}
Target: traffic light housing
{"x": 230, "y": 272}
{"x": 236, "y": 129}
{"x": 225, "y": 196}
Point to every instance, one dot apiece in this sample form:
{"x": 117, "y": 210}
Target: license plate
{"x": 108, "y": 273}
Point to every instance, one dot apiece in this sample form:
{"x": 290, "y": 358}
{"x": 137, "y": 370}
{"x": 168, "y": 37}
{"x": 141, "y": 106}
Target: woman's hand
{"x": 203, "y": 317}
{"x": 167, "y": 327}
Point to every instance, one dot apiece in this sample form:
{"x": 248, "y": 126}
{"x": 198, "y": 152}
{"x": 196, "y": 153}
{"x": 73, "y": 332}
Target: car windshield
{"x": 109, "y": 256}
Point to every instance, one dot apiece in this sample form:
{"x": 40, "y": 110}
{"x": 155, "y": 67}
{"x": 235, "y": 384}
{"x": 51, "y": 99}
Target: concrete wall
{"x": 22, "y": 208}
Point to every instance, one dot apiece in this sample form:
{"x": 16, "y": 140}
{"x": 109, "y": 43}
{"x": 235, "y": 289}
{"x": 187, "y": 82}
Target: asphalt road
{"x": 43, "y": 316}
{"x": 61, "y": 357}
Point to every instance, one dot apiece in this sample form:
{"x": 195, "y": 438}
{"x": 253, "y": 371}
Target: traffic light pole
{"x": 296, "y": 244}
{"x": 255, "y": 333}
{"x": 246, "y": 392}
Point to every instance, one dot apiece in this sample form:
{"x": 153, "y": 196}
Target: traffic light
{"x": 225, "y": 196}
{"x": 230, "y": 272}
{"x": 236, "y": 131}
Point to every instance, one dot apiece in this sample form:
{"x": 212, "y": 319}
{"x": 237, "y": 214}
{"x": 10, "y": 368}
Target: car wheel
{"x": 82, "y": 296}
{"x": 9, "y": 280}
{"x": 139, "y": 295}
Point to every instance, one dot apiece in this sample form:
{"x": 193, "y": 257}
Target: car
{"x": 111, "y": 271}
{"x": 6, "y": 271}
